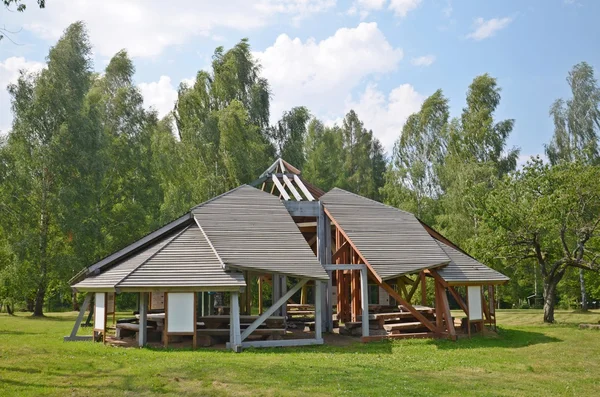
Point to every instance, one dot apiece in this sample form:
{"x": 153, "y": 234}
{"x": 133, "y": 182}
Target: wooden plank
{"x": 403, "y": 326}
{"x": 302, "y": 187}
{"x": 281, "y": 343}
{"x": 417, "y": 335}
{"x": 280, "y": 188}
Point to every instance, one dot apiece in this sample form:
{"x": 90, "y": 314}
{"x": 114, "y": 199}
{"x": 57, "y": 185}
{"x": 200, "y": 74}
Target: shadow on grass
{"x": 507, "y": 338}
{"x": 50, "y": 318}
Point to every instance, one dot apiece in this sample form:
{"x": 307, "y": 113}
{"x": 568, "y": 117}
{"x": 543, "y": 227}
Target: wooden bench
{"x": 128, "y": 329}
{"x": 397, "y": 328}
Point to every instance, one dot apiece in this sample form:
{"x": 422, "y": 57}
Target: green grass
{"x": 527, "y": 358}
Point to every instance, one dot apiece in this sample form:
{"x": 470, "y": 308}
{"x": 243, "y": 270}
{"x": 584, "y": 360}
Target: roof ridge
{"x": 216, "y": 197}
{"x": 212, "y": 247}
{"x": 151, "y": 256}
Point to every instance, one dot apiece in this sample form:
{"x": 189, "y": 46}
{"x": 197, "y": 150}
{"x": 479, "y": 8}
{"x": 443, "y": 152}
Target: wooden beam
{"x": 410, "y": 307}
{"x": 82, "y": 310}
{"x": 459, "y": 299}
{"x": 364, "y": 298}
{"x": 280, "y": 187}
{"x": 281, "y": 343}
{"x": 281, "y": 301}
{"x": 338, "y": 253}
{"x": 290, "y": 186}
{"x": 446, "y": 311}
{"x": 423, "y": 288}
{"x": 318, "y": 310}
{"x": 413, "y": 289}
{"x": 260, "y": 294}
{"x": 143, "y": 309}
{"x": 235, "y": 339}
{"x": 302, "y": 187}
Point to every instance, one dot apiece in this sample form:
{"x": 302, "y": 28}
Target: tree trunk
{"x": 38, "y": 309}
{"x": 9, "y": 310}
{"x": 549, "y": 299}
{"x": 76, "y": 303}
{"x": 584, "y": 305}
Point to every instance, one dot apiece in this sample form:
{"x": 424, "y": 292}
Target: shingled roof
{"x": 392, "y": 241}
{"x": 252, "y": 230}
{"x": 464, "y": 270}
{"x": 183, "y": 260}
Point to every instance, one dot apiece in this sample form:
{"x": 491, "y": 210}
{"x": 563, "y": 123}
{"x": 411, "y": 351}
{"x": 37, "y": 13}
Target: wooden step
{"x": 403, "y": 326}
{"x": 414, "y": 335}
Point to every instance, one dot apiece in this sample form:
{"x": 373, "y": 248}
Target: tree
{"x": 46, "y": 148}
{"x": 364, "y": 163}
{"x": 412, "y": 181}
{"x": 222, "y": 122}
{"x": 576, "y": 124}
{"x": 577, "y": 120}
{"x": 289, "y": 135}
{"x": 324, "y": 155}
{"x": 476, "y": 156}
{"x": 548, "y": 215}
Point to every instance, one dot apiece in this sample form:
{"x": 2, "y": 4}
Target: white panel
{"x": 181, "y": 312}
{"x": 474, "y": 293}
{"x": 384, "y": 297}
{"x": 100, "y": 310}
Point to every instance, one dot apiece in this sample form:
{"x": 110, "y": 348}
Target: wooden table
{"x": 158, "y": 318}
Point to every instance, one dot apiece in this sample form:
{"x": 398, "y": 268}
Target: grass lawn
{"x": 527, "y": 358}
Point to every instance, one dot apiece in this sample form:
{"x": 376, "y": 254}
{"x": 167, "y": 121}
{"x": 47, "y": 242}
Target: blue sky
{"x": 380, "y": 57}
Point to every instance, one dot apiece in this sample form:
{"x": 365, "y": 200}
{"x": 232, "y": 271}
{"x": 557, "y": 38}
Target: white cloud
{"x": 321, "y": 74}
{"x": 147, "y": 28}
{"x": 386, "y": 115}
{"x": 485, "y": 29}
{"x": 159, "y": 95}
{"x": 9, "y": 73}
{"x": 402, "y": 7}
{"x": 364, "y": 7}
{"x": 425, "y": 60}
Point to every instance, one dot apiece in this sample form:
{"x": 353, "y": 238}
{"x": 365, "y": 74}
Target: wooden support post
{"x": 364, "y": 289}
{"x": 260, "y": 295}
{"x": 235, "y": 338}
{"x": 423, "y": 288}
{"x": 318, "y": 309}
{"x": 276, "y": 290}
{"x": 439, "y": 319}
{"x": 303, "y": 295}
{"x": 328, "y": 288}
{"x": 166, "y": 325}
{"x": 446, "y": 311}
{"x": 143, "y": 309}
{"x": 413, "y": 289}
{"x": 283, "y": 291}
{"x": 82, "y": 309}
